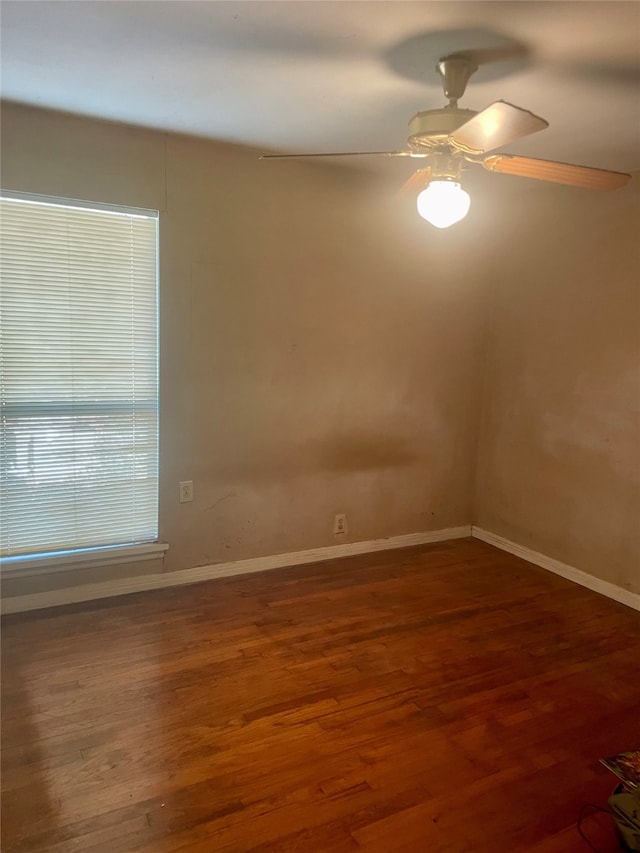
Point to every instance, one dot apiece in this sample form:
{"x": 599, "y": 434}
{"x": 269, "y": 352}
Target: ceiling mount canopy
{"x": 455, "y": 72}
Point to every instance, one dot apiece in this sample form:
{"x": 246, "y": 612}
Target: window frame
{"x": 64, "y": 560}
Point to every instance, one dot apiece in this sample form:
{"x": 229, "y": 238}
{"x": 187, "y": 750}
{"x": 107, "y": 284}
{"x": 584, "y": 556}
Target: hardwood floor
{"x": 443, "y": 698}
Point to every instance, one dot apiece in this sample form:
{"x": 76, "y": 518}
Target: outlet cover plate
{"x": 340, "y": 524}
{"x": 186, "y": 491}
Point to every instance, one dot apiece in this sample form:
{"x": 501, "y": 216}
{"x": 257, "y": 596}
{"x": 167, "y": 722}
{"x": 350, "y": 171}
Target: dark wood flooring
{"x": 446, "y": 699}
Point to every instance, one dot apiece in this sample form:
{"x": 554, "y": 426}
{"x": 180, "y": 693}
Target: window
{"x": 78, "y": 376}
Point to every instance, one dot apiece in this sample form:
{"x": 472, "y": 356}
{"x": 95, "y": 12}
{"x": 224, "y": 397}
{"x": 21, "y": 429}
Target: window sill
{"x": 86, "y": 559}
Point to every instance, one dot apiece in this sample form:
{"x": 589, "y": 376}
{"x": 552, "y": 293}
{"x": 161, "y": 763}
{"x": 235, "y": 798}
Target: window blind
{"x": 78, "y": 376}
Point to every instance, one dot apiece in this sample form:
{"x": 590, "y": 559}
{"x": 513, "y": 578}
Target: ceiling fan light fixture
{"x": 443, "y": 203}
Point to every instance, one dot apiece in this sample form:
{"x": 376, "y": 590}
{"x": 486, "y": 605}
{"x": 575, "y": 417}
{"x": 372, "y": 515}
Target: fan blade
{"x": 495, "y": 126}
{"x": 342, "y": 154}
{"x": 559, "y": 173}
{"x": 418, "y": 181}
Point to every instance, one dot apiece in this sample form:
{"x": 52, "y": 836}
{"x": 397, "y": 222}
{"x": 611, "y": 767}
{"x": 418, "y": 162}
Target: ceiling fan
{"x": 451, "y": 137}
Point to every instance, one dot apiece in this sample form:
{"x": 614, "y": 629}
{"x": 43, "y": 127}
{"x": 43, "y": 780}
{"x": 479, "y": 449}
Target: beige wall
{"x": 559, "y": 448}
{"x": 323, "y": 351}
{"x": 320, "y": 345}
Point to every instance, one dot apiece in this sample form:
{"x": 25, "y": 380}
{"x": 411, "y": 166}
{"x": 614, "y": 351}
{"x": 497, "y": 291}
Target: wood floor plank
{"x": 444, "y": 698}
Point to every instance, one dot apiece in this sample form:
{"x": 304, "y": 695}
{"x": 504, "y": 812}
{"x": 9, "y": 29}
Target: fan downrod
{"x": 455, "y": 72}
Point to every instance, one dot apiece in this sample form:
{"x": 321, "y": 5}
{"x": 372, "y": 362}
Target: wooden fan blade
{"x": 342, "y": 154}
{"x": 495, "y": 126}
{"x": 418, "y": 181}
{"x": 559, "y": 173}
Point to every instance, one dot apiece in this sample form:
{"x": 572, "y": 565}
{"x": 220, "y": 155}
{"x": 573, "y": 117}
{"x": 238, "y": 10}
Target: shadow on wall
{"x": 362, "y": 452}
{"x": 357, "y": 451}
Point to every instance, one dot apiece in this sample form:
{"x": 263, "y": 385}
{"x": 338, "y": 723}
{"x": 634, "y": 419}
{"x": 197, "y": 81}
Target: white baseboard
{"x": 617, "y": 593}
{"x": 106, "y": 589}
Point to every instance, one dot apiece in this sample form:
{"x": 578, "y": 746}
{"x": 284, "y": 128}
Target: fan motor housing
{"x": 430, "y": 129}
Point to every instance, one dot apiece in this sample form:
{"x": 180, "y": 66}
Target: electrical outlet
{"x": 340, "y": 523}
{"x": 186, "y": 491}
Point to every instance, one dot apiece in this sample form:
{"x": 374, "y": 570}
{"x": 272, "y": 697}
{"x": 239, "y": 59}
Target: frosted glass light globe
{"x": 443, "y": 203}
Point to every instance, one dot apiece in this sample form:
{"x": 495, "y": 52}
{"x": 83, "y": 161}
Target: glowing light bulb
{"x": 443, "y": 203}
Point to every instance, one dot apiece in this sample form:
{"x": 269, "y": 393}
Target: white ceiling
{"x": 329, "y": 76}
